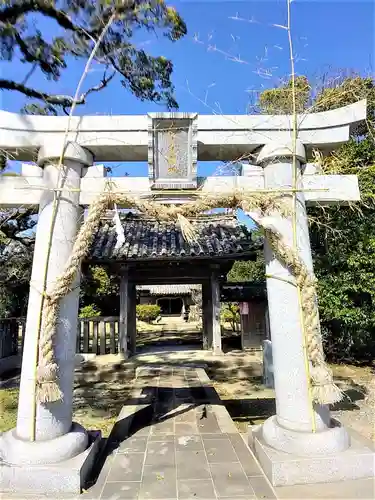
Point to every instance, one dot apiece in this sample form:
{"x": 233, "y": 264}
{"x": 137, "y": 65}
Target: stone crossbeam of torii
{"x": 284, "y": 437}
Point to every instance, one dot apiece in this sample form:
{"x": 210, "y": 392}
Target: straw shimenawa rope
{"x": 47, "y": 372}
{"x": 265, "y": 204}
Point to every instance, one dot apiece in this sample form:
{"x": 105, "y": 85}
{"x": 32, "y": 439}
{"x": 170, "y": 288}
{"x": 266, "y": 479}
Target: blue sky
{"x": 231, "y": 52}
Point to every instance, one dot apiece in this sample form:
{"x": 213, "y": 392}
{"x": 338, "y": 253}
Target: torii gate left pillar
{"x": 45, "y": 434}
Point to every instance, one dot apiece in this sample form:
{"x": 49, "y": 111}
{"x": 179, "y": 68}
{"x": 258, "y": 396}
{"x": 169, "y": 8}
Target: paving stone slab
{"x": 121, "y": 490}
{"x": 188, "y": 442}
{"x": 133, "y": 445}
{"x": 160, "y": 453}
{"x": 161, "y": 438}
{"x": 158, "y": 483}
{"x": 262, "y": 488}
{"x": 186, "y": 428}
{"x": 220, "y": 450}
{"x": 192, "y": 465}
{"x": 126, "y": 467}
{"x": 230, "y": 480}
{"x": 200, "y": 489}
{"x": 248, "y": 462}
{"x": 177, "y": 446}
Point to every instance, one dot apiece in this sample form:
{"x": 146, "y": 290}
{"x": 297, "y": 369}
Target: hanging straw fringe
{"x": 187, "y": 229}
{"x": 261, "y": 204}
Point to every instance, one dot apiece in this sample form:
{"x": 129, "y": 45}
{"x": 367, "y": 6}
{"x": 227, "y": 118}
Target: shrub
{"x": 89, "y": 311}
{"x": 147, "y": 312}
{"x": 230, "y": 313}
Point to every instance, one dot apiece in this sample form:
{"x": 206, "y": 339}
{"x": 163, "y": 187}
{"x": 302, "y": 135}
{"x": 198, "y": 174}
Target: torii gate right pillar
{"x": 301, "y": 443}
{"x": 294, "y": 411}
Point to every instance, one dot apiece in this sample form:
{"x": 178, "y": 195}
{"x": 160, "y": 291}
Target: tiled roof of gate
{"x": 168, "y": 289}
{"x": 150, "y": 239}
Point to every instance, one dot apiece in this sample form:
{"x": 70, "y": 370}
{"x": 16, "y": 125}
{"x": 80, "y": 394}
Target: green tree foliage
{"x": 3, "y": 161}
{"x": 230, "y": 313}
{"x": 78, "y": 24}
{"x": 279, "y": 100}
{"x": 343, "y": 238}
{"x": 89, "y": 311}
{"x": 147, "y": 312}
{"x": 16, "y": 251}
{"x": 100, "y": 289}
{"x": 344, "y": 257}
{"x": 248, "y": 270}
{"x": 348, "y": 91}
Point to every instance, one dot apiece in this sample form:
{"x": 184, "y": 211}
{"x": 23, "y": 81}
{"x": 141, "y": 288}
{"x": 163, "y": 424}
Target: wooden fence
{"x": 97, "y": 335}
{"x": 12, "y": 334}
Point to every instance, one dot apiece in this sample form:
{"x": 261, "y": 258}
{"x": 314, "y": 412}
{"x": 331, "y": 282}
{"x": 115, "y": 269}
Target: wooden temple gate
{"x": 156, "y": 254}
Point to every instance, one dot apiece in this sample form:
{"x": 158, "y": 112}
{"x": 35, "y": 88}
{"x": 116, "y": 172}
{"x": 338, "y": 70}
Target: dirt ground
{"x": 236, "y": 376}
{"x": 102, "y": 384}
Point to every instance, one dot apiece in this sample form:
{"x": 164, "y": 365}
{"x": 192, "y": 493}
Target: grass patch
{"x": 8, "y": 405}
{"x": 91, "y": 416}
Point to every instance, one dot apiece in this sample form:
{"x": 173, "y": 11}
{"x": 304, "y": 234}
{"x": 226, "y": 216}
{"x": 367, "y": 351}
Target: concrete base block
{"x": 286, "y": 469}
{"x": 67, "y": 477}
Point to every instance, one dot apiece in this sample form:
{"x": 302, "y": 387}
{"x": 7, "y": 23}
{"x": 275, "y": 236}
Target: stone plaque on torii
{"x": 172, "y": 150}
{"x": 287, "y": 436}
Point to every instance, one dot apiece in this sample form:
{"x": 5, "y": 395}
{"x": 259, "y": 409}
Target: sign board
{"x": 173, "y": 150}
{"x": 244, "y": 308}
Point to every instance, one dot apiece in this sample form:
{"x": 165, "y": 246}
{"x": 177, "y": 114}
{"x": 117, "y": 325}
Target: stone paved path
{"x": 175, "y": 440}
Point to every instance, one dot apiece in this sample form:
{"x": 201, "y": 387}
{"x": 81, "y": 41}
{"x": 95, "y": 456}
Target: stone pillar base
{"x": 217, "y": 351}
{"x": 123, "y": 355}
{"x": 304, "y": 444}
{"x": 61, "y": 465}
{"x": 357, "y": 461}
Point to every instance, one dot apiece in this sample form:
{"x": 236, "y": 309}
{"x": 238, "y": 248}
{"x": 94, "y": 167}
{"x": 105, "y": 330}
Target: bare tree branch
{"x": 57, "y": 100}
{"x": 12, "y": 13}
{"x": 29, "y": 73}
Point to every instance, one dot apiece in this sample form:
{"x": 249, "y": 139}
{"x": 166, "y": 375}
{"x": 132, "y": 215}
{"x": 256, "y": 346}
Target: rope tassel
{"x": 48, "y": 389}
{"x": 119, "y": 229}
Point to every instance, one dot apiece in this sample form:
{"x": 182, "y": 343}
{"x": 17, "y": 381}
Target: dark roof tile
{"x": 149, "y": 239}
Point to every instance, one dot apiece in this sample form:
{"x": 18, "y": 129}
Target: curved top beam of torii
{"x": 220, "y": 137}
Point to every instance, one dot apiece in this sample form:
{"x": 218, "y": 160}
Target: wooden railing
{"x": 97, "y": 335}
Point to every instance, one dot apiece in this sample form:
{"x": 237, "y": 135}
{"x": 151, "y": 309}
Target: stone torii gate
{"x": 64, "y": 450}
